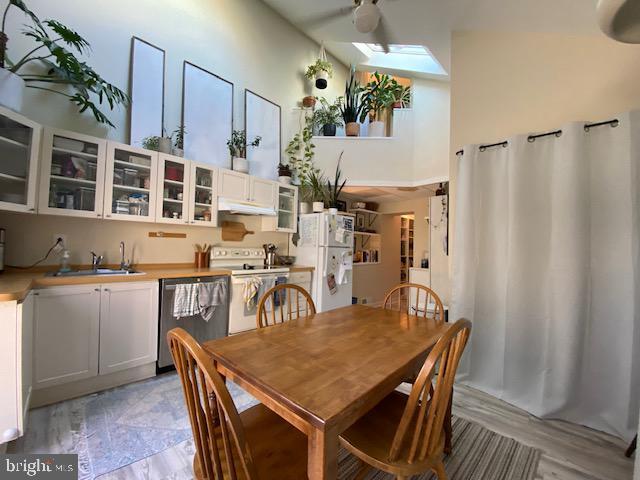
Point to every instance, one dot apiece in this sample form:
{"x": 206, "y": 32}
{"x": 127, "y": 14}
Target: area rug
{"x": 114, "y": 428}
{"x": 478, "y": 454}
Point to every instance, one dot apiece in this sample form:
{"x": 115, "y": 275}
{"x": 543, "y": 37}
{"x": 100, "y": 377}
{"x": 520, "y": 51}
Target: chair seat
{"x": 370, "y": 438}
{"x": 278, "y": 449}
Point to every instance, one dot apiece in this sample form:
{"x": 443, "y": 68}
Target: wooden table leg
{"x": 322, "y": 461}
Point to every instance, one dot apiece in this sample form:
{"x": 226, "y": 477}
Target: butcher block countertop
{"x": 15, "y": 285}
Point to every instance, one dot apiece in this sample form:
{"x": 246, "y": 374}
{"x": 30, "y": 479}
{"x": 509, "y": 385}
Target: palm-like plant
{"x": 354, "y": 106}
{"x": 380, "y": 93}
{"x": 335, "y": 190}
{"x": 61, "y": 66}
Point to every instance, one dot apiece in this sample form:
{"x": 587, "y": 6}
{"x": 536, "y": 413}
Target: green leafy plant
{"x": 334, "y": 190}
{"x": 319, "y": 66}
{"x": 301, "y": 150}
{"x": 379, "y": 94}
{"x": 328, "y": 113}
{"x": 238, "y": 143}
{"x": 284, "y": 170}
{"x": 317, "y": 183}
{"x": 355, "y": 104}
{"x": 402, "y": 95}
{"x": 177, "y": 137}
{"x": 151, "y": 143}
{"x": 53, "y": 51}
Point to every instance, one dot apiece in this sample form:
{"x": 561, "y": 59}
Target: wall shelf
{"x": 315, "y": 137}
{"x": 365, "y": 263}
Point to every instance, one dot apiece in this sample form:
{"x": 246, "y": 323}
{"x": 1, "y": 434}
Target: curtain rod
{"x": 532, "y": 138}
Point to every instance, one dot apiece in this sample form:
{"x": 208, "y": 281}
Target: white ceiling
{"x": 389, "y": 194}
{"x": 430, "y": 22}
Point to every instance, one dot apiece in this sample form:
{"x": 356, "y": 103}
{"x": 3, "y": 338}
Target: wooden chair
{"x": 404, "y": 435}
{"x": 256, "y": 444}
{"x": 415, "y": 299}
{"x": 282, "y": 303}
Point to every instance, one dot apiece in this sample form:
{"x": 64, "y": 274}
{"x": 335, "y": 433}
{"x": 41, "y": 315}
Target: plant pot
{"x": 178, "y": 152}
{"x": 309, "y": 102}
{"x": 322, "y": 79}
{"x": 11, "y": 90}
{"x": 318, "y": 207}
{"x": 240, "y": 164}
{"x": 164, "y": 145}
{"x": 376, "y": 129}
{"x": 329, "y": 130}
{"x": 397, "y": 104}
{"x": 333, "y": 211}
{"x": 285, "y": 179}
{"x": 305, "y": 207}
{"x": 352, "y": 129}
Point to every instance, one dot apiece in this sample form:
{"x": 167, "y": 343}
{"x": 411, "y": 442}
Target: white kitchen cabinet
{"x": 263, "y": 192}
{"x": 19, "y": 151}
{"x": 286, "y": 219}
{"x": 128, "y": 325}
{"x": 66, "y": 334}
{"x": 203, "y": 195}
{"x": 72, "y": 172}
{"x": 130, "y": 183}
{"x": 16, "y": 337}
{"x": 173, "y": 189}
{"x": 234, "y": 185}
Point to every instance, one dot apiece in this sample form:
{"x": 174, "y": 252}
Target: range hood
{"x": 240, "y": 207}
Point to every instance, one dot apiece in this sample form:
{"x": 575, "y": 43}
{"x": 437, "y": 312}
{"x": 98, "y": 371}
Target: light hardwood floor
{"x": 570, "y": 452}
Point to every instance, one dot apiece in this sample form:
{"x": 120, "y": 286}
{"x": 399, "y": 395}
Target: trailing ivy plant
{"x": 54, "y": 43}
{"x": 319, "y": 66}
{"x": 300, "y": 150}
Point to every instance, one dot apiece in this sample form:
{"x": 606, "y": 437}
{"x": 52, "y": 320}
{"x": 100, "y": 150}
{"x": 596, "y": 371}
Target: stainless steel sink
{"x": 97, "y": 271}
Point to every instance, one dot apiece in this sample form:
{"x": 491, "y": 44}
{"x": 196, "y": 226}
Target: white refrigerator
{"x": 326, "y": 243}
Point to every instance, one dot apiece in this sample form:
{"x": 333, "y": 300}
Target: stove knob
{"x": 223, "y": 253}
{"x": 246, "y": 253}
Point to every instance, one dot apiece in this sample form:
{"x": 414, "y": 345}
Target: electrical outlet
{"x": 58, "y": 247}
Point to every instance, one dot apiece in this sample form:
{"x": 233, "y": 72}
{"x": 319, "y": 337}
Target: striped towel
{"x": 185, "y": 300}
{"x": 250, "y": 291}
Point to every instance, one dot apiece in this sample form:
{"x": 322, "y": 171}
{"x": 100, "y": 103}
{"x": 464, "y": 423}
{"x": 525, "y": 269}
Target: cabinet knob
{"x": 96, "y": 289}
{"x": 108, "y": 216}
{"x": 98, "y": 215}
{"x": 32, "y": 209}
{"x": 107, "y": 290}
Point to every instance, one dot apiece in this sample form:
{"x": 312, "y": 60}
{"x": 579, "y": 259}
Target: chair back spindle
{"x": 415, "y": 299}
{"x": 282, "y": 303}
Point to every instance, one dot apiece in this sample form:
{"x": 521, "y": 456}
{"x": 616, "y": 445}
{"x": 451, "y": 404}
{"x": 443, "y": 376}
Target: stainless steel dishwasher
{"x": 201, "y": 330}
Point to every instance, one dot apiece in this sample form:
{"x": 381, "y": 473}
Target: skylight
{"x": 412, "y": 58}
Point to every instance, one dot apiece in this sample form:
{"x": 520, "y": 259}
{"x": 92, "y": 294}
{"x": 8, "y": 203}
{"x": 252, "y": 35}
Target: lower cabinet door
{"x": 66, "y": 334}
{"x": 128, "y": 325}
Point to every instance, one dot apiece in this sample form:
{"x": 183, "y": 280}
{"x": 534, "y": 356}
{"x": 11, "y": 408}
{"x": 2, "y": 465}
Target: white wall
{"x": 243, "y": 41}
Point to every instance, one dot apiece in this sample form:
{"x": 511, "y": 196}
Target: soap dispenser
{"x": 65, "y": 265}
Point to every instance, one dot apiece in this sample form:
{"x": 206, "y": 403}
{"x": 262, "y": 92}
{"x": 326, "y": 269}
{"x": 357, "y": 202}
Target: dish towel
{"x": 282, "y": 295}
{"x": 185, "y": 301}
{"x": 250, "y": 291}
{"x": 210, "y": 295}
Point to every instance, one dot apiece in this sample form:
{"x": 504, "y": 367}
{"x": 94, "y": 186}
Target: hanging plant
{"x": 321, "y": 71}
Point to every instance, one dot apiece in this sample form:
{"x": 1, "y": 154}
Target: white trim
{"x": 397, "y": 183}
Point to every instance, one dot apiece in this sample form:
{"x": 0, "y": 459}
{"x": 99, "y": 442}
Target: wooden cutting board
{"x": 234, "y": 231}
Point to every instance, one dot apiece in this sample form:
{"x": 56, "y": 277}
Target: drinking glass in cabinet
{"x": 15, "y": 153}
{"x": 131, "y": 183}
{"x": 74, "y": 165}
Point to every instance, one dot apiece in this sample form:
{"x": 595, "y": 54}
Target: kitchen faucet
{"x": 124, "y": 264}
{"x": 96, "y": 260}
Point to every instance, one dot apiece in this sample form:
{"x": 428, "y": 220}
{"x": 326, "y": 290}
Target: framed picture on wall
{"x": 207, "y": 115}
{"x": 146, "y": 115}
{"x": 262, "y": 118}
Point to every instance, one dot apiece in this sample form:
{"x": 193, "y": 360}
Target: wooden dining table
{"x": 321, "y": 373}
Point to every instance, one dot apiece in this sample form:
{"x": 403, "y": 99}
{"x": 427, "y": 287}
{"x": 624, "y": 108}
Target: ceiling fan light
{"x": 366, "y": 17}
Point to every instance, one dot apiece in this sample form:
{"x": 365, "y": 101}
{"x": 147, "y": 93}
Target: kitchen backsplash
{"x": 29, "y": 237}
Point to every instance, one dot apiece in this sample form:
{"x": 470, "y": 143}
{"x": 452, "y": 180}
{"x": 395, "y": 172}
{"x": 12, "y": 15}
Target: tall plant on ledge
{"x": 54, "y": 49}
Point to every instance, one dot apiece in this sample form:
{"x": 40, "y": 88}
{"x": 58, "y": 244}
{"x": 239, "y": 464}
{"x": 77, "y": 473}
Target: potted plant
{"x": 321, "y": 71}
{"x": 328, "y": 117}
{"x": 301, "y": 149}
{"x": 334, "y": 190}
{"x": 318, "y": 188}
{"x": 354, "y": 106}
{"x": 178, "y": 141}
{"x": 379, "y": 95}
{"x": 402, "y": 96}
{"x": 53, "y": 51}
{"x": 151, "y": 143}
{"x": 238, "y": 149}
{"x": 284, "y": 173}
{"x": 309, "y": 101}
{"x": 306, "y": 195}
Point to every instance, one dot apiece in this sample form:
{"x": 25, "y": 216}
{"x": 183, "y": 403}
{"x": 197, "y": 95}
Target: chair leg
{"x": 362, "y": 471}
{"x": 632, "y": 447}
{"x": 438, "y": 469}
{"x": 448, "y": 429}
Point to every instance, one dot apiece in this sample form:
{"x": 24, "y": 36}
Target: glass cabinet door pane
{"x": 203, "y": 193}
{"x": 173, "y": 200}
{"x": 131, "y": 183}
{"x": 16, "y": 142}
{"x": 74, "y": 166}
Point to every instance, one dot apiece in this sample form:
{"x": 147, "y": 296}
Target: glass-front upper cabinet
{"x": 203, "y": 207}
{"x": 130, "y": 183}
{"x": 286, "y": 219}
{"x": 19, "y": 150}
{"x": 72, "y": 174}
{"x": 173, "y": 189}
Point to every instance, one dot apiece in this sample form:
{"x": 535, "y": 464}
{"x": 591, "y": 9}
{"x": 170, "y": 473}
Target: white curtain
{"x": 546, "y": 266}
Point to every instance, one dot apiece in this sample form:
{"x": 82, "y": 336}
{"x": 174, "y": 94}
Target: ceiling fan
{"x": 367, "y": 18}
